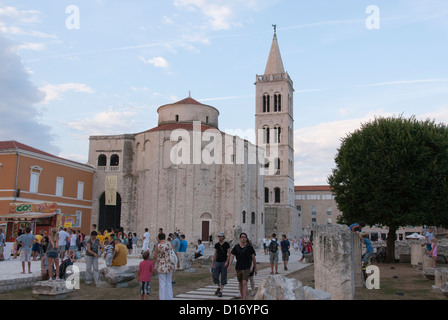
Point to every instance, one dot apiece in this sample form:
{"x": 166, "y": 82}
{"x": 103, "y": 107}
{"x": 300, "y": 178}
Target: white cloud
{"x": 219, "y": 16}
{"x": 315, "y": 147}
{"x": 18, "y": 97}
{"x": 16, "y": 22}
{"x": 158, "y": 62}
{"x": 30, "y": 46}
{"x": 54, "y": 92}
{"x": 106, "y": 122}
{"x": 23, "y": 16}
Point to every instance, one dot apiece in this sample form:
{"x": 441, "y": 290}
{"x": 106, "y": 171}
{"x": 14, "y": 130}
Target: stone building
{"x": 317, "y": 206}
{"x": 185, "y": 174}
{"x": 274, "y": 124}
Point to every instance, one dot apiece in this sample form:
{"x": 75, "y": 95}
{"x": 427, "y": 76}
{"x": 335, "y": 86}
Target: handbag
{"x": 173, "y": 256}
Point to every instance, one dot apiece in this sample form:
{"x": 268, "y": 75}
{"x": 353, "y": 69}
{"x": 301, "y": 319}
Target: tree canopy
{"x": 393, "y": 172}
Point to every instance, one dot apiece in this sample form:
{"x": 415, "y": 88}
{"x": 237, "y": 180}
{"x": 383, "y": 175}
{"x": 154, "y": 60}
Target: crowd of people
{"x": 114, "y": 245}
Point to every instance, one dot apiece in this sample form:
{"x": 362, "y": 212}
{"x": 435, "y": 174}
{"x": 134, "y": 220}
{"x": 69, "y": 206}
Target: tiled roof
{"x": 188, "y": 100}
{"x": 15, "y": 145}
{"x": 174, "y": 126}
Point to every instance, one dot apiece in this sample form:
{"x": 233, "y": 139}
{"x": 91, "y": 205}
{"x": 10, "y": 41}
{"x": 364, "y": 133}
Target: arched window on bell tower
{"x": 266, "y": 102}
{"x": 266, "y": 135}
{"x": 277, "y": 102}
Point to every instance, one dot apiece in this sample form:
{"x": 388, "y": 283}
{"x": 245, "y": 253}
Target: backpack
{"x": 63, "y": 268}
{"x": 273, "y": 246}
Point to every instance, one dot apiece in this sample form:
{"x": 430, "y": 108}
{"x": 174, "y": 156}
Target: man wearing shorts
{"x": 245, "y": 256}
{"x": 26, "y": 240}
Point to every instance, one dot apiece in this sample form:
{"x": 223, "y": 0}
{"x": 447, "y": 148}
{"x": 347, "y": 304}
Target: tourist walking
{"x": 146, "y": 237}
{"x": 129, "y": 243}
{"x": 433, "y": 252}
{"x": 243, "y": 253}
{"x": 52, "y": 254}
{"x": 220, "y": 262}
{"x": 176, "y": 242}
{"x": 273, "y": 254}
{"x": 62, "y": 243}
{"x": 251, "y": 274}
{"x": 134, "y": 243}
{"x": 428, "y": 237}
{"x": 295, "y": 244}
{"x": 183, "y": 243}
{"x": 285, "y": 245}
{"x": 26, "y": 240}
{"x": 73, "y": 245}
{"x": 93, "y": 247}
{"x": 165, "y": 267}
{"x": 145, "y": 269}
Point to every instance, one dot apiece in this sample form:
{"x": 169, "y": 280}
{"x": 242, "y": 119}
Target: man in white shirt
{"x": 146, "y": 237}
{"x": 63, "y": 235}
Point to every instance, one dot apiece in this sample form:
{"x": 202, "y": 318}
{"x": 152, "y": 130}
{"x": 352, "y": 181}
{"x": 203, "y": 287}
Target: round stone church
{"x": 185, "y": 174}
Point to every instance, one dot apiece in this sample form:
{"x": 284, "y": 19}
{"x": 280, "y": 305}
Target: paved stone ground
{"x": 231, "y": 290}
{"x": 12, "y": 279}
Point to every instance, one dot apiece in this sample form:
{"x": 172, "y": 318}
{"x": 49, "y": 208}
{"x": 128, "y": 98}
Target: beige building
{"x": 185, "y": 174}
{"x": 316, "y": 205}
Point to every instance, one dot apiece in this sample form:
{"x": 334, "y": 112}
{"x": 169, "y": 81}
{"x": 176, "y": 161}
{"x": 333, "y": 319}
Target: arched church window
{"x": 277, "y": 102}
{"x": 244, "y": 216}
{"x": 252, "y": 218}
{"x": 277, "y": 195}
{"x": 266, "y": 135}
{"x": 177, "y": 118}
{"x": 277, "y": 165}
{"x": 277, "y": 134}
{"x": 266, "y": 102}
{"x": 114, "y": 160}
{"x": 102, "y": 160}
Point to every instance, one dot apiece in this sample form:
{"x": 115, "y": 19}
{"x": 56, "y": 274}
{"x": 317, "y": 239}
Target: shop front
{"x": 40, "y": 217}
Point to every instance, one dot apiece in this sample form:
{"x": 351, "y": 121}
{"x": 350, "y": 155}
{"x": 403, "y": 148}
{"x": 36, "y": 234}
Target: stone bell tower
{"x": 274, "y": 124}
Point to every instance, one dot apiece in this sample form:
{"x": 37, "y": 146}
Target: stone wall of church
{"x": 187, "y": 197}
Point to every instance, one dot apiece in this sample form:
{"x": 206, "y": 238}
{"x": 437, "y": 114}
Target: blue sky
{"x": 59, "y": 84}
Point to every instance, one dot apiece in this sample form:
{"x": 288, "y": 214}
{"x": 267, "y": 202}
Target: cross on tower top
{"x": 275, "y": 28}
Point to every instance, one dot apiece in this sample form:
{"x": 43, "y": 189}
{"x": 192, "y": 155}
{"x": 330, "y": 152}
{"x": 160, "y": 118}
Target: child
{"x": 433, "y": 252}
{"x": 108, "y": 252}
{"x": 145, "y": 269}
{"x": 369, "y": 248}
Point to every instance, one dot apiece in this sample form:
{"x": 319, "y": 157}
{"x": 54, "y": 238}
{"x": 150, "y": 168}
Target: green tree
{"x": 393, "y": 172}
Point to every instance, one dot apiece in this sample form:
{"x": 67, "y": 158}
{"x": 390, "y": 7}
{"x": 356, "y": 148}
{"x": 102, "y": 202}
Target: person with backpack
{"x": 273, "y": 253}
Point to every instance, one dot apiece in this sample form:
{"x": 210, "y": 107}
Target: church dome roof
{"x": 188, "y": 110}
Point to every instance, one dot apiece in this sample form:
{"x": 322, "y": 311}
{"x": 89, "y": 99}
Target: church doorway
{"x": 109, "y": 216}
{"x": 205, "y": 230}
{"x": 206, "y": 218}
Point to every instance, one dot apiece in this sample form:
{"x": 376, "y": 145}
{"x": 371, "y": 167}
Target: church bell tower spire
{"x": 274, "y": 124}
